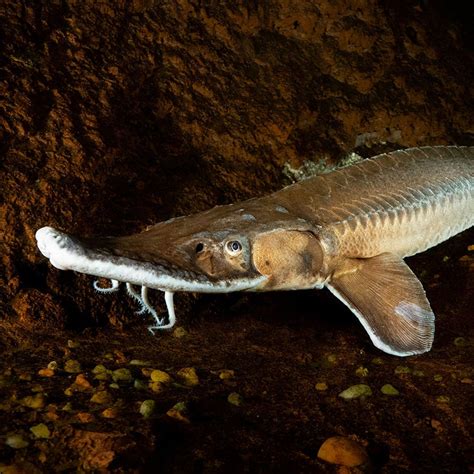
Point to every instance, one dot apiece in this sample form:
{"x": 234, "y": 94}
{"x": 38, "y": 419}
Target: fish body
{"x": 347, "y": 230}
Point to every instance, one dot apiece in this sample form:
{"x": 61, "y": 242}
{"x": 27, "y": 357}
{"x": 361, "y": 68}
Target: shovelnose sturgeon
{"x": 348, "y": 230}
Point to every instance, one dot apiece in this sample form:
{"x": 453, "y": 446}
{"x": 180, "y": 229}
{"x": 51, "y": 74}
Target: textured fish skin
{"x": 348, "y": 230}
{"x": 403, "y": 202}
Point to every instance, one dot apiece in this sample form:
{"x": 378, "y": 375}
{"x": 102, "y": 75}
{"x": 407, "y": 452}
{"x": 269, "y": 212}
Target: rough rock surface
{"x": 114, "y": 115}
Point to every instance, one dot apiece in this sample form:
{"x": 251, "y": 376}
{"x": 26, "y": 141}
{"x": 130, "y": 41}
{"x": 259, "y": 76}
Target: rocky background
{"x": 115, "y": 115}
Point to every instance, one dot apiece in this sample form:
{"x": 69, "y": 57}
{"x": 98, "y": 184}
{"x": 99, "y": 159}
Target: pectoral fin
{"x": 389, "y": 301}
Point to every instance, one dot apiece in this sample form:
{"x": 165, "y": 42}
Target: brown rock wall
{"x": 117, "y": 114}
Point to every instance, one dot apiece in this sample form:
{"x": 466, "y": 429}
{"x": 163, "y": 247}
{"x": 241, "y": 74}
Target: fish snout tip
{"x": 52, "y": 244}
{"x": 42, "y": 236}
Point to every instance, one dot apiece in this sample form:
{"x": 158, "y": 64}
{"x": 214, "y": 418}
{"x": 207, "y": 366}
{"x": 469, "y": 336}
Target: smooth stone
{"x": 362, "y": 371}
{"x": 389, "y": 389}
{"x": 16, "y": 441}
{"x": 179, "y": 412}
{"x": 33, "y": 401}
{"x": 102, "y": 397}
{"x": 160, "y": 376}
{"x": 226, "y": 374}
{"x": 139, "y": 362}
{"x": 40, "y": 431}
{"x": 343, "y": 451}
{"x": 147, "y": 408}
{"x": 235, "y": 399}
{"x": 122, "y": 375}
{"x": 188, "y": 376}
{"x": 402, "y": 369}
{"x": 356, "y": 391}
{"x": 180, "y": 332}
{"x": 72, "y": 366}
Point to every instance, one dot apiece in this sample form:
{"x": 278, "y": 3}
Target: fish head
{"x": 228, "y": 248}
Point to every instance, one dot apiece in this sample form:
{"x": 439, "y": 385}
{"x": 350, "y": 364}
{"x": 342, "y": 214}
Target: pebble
{"x": 122, "y": 375}
{"x": 102, "y": 397}
{"x": 72, "y": 344}
{"x": 40, "y": 431}
{"x": 156, "y": 387}
{"x": 46, "y": 372}
{"x": 356, "y": 391}
{"x": 188, "y": 376}
{"x": 111, "y": 412}
{"x": 226, "y": 374}
{"x": 321, "y": 386}
{"x": 436, "y": 424}
{"x": 437, "y": 378}
{"x": 72, "y": 366}
{"x": 362, "y": 371}
{"x": 147, "y": 408}
{"x": 84, "y": 417}
{"x": 140, "y": 384}
{"x": 139, "y": 362}
{"x": 51, "y": 414}
{"x": 81, "y": 383}
{"x": 377, "y": 361}
{"x": 402, "y": 369}
{"x": 146, "y": 371}
{"x": 160, "y": 376}
{"x": 389, "y": 389}
{"x": 460, "y": 342}
{"x": 442, "y": 399}
{"x": 101, "y": 373}
{"x": 235, "y": 399}
{"x": 33, "y": 401}
{"x": 16, "y": 441}
{"x": 53, "y": 365}
{"x": 343, "y": 451}
{"x": 180, "y": 332}
{"x": 99, "y": 369}
{"x": 120, "y": 357}
{"x": 418, "y": 373}
{"x": 179, "y": 412}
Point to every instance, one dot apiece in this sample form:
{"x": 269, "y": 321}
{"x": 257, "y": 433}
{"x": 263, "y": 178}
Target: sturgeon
{"x": 348, "y": 230}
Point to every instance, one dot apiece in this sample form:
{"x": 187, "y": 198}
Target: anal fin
{"x": 389, "y": 301}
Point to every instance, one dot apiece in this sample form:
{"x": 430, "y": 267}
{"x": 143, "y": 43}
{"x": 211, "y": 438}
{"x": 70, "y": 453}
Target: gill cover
{"x": 290, "y": 259}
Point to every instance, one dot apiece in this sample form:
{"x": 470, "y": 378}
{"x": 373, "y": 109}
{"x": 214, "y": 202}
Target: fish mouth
{"x": 66, "y": 252}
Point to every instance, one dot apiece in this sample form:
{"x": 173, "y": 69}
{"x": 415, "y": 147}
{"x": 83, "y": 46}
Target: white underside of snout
{"x": 64, "y": 253}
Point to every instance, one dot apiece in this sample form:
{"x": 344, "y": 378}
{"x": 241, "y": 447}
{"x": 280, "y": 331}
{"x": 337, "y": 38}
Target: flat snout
{"x": 122, "y": 260}
{"x": 57, "y": 246}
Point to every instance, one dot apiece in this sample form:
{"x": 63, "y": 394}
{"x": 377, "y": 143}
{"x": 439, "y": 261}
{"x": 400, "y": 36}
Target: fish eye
{"x": 199, "y": 247}
{"x": 233, "y": 247}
